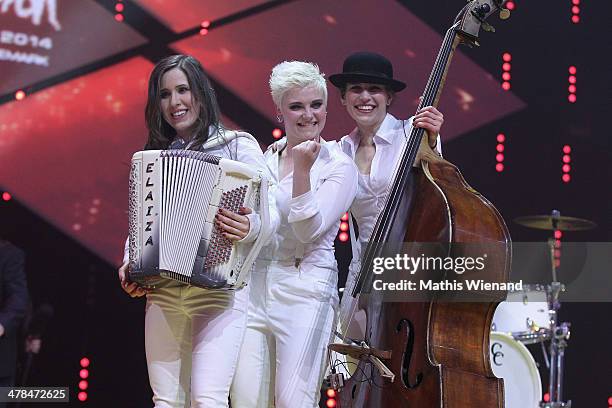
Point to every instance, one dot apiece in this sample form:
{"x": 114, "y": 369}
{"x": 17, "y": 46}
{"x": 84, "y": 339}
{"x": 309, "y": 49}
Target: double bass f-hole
{"x": 405, "y": 324}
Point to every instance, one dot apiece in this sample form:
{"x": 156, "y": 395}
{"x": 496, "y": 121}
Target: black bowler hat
{"x": 367, "y": 67}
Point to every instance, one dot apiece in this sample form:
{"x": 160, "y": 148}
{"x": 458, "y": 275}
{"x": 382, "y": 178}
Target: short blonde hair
{"x": 295, "y": 74}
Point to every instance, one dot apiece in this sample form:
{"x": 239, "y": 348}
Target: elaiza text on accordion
{"x": 149, "y": 187}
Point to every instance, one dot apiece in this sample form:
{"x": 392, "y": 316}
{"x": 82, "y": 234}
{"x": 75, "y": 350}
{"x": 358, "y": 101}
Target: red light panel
{"x": 82, "y": 396}
{"x": 499, "y": 167}
{"x": 84, "y": 362}
{"x": 83, "y": 385}
{"x": 84, "y": 373}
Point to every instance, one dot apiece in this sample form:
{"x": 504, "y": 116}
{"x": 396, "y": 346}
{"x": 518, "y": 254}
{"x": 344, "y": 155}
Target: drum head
{"x": 512, "y": 361}
{"x": 522, "y": 307}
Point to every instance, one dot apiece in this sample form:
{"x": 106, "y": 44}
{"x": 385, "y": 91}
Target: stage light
{"x": 610, "y": 401}
{"x": 510, "y": 5}
{"x": 203, "y": 31}
{"x": 205, "y": 24}
{"x": 119, "y": 7}
{"x": 566, "y": 168}
{"x": 506, "y": 76}
{"x": 546, "y": 397}
{"x": 566, "y": 178}
{"x": 558, "y": 234}
{"x": 331, "y": 393}
{"x": 506, "y": 66}
{"x": 331, "y": 403}
{"x": 119, "y": 17}
{"x": 575, "y": 11}
{"x": 84, "y": 373}
{"x": 506, "y": 86}
{"x": 84, "y": 362}
{"x": 344, "y": 217}
{"x": 6, "y": 196}
{"x": 82, "y": 396}
{"x": 343, "y": 237}
{"x": 20, "y": 95}
{"x": 507, "y": 57}
{"x": 566, "y": 158}
{"x": 83, "y": 385}
{"x": 571, "y": 88}
{"x": 344, "y": 226}
{"x": 277, "y": 133}
{"x": 500, "y": 147}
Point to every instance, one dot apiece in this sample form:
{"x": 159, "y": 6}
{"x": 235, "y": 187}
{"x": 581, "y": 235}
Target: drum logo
{"x": 497, "y": 354}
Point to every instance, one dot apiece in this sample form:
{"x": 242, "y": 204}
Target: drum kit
{"x": 530, "y": 316}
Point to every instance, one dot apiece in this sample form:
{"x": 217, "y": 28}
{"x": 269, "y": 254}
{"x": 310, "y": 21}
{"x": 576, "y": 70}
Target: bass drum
{"x": 512, "y": 361}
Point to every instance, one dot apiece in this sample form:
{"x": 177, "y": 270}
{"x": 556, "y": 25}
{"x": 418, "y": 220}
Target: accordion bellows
{"x": 174, "y": 197}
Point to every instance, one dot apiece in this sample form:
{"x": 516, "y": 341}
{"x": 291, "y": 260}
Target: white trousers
{"x": 290, "y": 320}
{"x": 192, "y": 341}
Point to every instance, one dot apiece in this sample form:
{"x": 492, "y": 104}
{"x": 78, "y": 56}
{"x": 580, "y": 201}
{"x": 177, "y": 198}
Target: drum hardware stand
{"x": 559, "y": 334}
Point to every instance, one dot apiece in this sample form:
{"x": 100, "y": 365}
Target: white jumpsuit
{"x": 292, "y": 308}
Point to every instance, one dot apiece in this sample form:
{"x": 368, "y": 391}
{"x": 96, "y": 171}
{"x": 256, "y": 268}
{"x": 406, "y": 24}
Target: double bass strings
{"x": 407, "y": 158}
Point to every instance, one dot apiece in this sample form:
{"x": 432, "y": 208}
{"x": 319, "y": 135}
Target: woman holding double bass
{"x": 429, "y": 353}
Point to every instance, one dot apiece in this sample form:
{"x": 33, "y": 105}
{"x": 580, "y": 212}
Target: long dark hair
{"x": 161, "y": 133}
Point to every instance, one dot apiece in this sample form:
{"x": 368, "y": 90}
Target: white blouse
{"x": 372, "y": 192}
{"x": 309, "y": 223}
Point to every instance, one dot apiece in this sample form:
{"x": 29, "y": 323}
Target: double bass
{"x": 431, "y": 353}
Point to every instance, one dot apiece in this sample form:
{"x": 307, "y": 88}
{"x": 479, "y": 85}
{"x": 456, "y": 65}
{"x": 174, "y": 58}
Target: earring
{"x": 279, "y": 118}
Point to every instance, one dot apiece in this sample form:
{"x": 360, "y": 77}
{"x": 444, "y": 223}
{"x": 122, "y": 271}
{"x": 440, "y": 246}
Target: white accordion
{"x": 174, "y": 197}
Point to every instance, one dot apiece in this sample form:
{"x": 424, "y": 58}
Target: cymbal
{"x": 549, "y": 222}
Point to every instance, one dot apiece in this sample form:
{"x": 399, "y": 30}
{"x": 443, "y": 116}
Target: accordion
{"x": 174, "y": 197}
